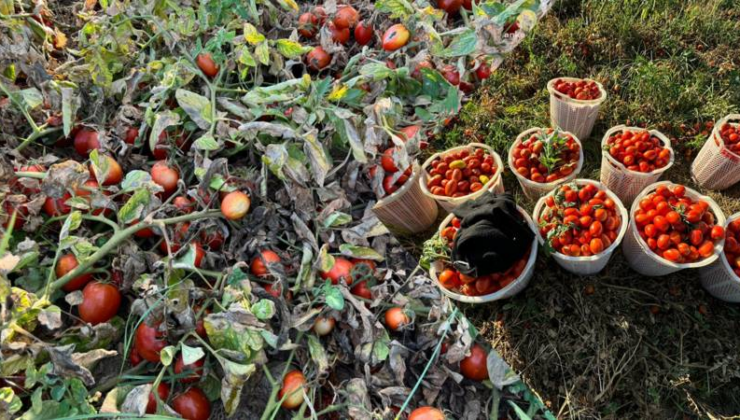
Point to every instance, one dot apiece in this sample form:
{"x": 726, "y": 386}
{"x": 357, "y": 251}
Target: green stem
{"x": 35, "y": 175}
{"x": 121, "y": 236}
{"x": 38, "y": 133}
{"x": 437, "y": 349}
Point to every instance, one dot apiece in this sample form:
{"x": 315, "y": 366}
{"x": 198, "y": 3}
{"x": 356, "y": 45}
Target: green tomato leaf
{"x": 197, "y": 107}
{"x": 161, "y": 122}
{"x": 133, "y": 207}
{"x": 337, "y": 219}
{"x": 291, "y": 49}
{"x": 360, "y": 252}
{"x": 264, "y": 309}
{"x": 207, "y": 142}
{"x": 333, "y": 295}
{"x": 191, "y": 355}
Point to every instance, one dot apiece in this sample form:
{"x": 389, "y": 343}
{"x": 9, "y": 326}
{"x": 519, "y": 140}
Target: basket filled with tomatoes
{"x": 581, "y": 224}
{"x": 543, "y": 158}
{"x": 722, "y": 278}
{"x": 486, "y": 288}
{"x": 633, "y": 158}
{"x": 462, "y": 173}
{"x": 575, "y": 104}
{"x": 672, "y": 228}
{"x": 717, "y": 165}
{"x": 404, "y": 207}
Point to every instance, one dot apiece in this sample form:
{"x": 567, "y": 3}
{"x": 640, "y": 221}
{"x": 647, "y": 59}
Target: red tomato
{"x": 114, "y": 174}
{"x": 164, "y": 392}
{"x": 259, "y": 263}
{"x": 134, "y": 357}
{"x": 346, "y": 17}
{"x": 342, "y": 269}
{"x": 195, "y": 369}
{"x": 450, "y": 6}
{"x": 318, "y": 59}
{"x": 200, "y": 253}
{"x": 427, "y": 413}
{"x": 483, "y": 71}
{"x": 475, "y": 366}
{"x": 100, "y": 302}
{"x": 339, "y": 35}
{"x": 293, "y": 389}
{"x": 395, "y": 37}
{"x": 324, "y": 325}
{"x": 184, "y": 204}
{"x": 165, "y": 176}
{"x": 396, "y": 318}
{"x": 308, "y": 25}
{"x": 449, "y": 279}
{"x": 67, "y": 263}
{"x": 386, "y": 161}
{"x": 131, "y": 135}
{"x": 235, "y": 205}
{"x": 192, "y": 405}
{"x": 85, "y": 141}
{"x": 451, "y": 74}
{"x": 362, "y": 290}
{"x": 364, "y": 33}
{"x": 206, "y": 64}
{"x": 149, "y": 341}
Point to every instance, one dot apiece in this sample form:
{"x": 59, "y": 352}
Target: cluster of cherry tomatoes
{"x": 453, "y": 280}
{"x": 460, "y": 173}
{"x": 638, "y": 150}
{"x": 731, "y": 136}
{"x": 732, "y": 245}
{"x": 582, "y": 90}
{"x": 546, "y": 156}
{"x": 677, "y": 227}
{"x": 580, "y": 221}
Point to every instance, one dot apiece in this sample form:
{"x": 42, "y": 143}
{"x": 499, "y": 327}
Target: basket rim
{"x": 540, "y": 206}
{"x": 725, "y": 263}
{"x": 499, "y": 293}
{"x": 553, "y": 184}
{"x": 494, "y": 178}
{"x": 716, "y": 209}
{"x": 559, "y": 96}
{"x": 619, "y": 165}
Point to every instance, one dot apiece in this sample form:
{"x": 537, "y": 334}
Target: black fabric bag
{"x": 493, "y": 235}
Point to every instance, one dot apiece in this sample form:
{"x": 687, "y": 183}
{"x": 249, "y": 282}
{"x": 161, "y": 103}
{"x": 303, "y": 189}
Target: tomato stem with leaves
{"x": 121, "y": 236}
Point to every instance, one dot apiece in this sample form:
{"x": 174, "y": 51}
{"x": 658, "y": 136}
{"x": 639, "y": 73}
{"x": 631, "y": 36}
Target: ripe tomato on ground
{"x": 580, "y": 220}
{"x": 318, "y": 59}
{"x": 235, "y": 205}
{"x": 364, "y": 33}
{"x": 195, "y": 369}
{"x": 341, "y": 270}
{"x": 100, "y": 302}
{"x": 192, "y": 405}
{"x": 292, "y": 391}
{"x": 165, "y": 176}
{"x": 475, "y": 366}
{"x": 163, "y": 390}
{"x": 258, "y": 267}
{"x": 149, "y": 341}
{"x": 396, "y": 37}
{"x": 114, "y": 173}
{"x": 346, "y": 17}
{"x": 308, "y": 25}
{"x": 460, "y": 173}
{"x": 427, "y": 413}
{"x": 67, "y": 263}
{"x": 396, "y": 318}
{"x": 324, "y": 325}
{"x": 85, "y": 141}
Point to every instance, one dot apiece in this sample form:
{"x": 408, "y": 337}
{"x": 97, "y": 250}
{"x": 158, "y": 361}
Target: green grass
{"x": 672, "y": 65}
